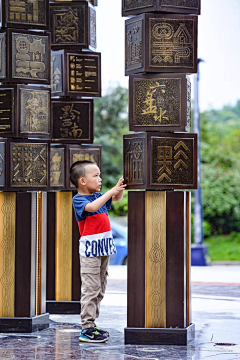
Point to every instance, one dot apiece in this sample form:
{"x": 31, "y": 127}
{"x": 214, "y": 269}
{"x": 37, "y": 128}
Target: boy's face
{"x": 92, "y": 180}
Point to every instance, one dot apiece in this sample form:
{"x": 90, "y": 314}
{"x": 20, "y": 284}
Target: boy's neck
{"x": 84, "y": 192}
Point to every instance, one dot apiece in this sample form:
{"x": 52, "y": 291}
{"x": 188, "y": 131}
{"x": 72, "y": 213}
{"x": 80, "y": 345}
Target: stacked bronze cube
{"x": 75, "y": 81}
{"x": 160, "y": 50}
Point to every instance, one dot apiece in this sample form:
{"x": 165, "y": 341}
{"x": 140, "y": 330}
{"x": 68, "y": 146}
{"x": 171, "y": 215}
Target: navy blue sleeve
{"x": 108, "y": 203}
{"x": 79, "y": 203}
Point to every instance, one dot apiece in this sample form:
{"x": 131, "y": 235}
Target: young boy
{"x": 96, "y": 243}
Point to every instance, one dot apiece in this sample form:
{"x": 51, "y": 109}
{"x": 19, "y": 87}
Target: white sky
{"x": 219, "y": 47}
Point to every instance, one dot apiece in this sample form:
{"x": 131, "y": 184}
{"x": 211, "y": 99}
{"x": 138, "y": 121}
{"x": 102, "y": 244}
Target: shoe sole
{"x": 93, "y": 341}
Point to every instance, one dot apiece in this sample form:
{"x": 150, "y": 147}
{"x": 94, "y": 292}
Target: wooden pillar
{"x": 23, "y": 250}
{"x": 159, "y": 268}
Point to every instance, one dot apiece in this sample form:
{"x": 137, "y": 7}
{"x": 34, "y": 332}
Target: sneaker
{"x": 92, "y": 335}
{"x": 103, "y": 332}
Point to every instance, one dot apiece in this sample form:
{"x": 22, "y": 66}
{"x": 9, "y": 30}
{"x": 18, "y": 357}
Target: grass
{"x": 224, "y": 247}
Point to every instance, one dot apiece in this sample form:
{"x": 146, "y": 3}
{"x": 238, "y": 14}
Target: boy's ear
{"x": 82, "y": 180}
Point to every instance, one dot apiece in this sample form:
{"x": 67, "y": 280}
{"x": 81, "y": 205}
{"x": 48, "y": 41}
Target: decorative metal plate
{"x": 157, "y": 102}
{"x": 57, "y": 166}
{"x": 172, "y": 161}
{"x": 2, "y": 164}
{"x": 171, "y": 43}
{"x": 84, "y": 154}
{"x": 28, "y": 165}
{"x": 133, "y": 56}
{"x": 30, "y": 12}
{"x": 134, "y": 161}
{"x": 72, "y": 120}
{"x": 30, "y": 56}
{"x": 83, "y": 73}
{"x": 56, "y": 72}
{"x": 34, "y": 111}
{"x": 2, "y": 55}
{"x": 137, "y": 4}
{"x": 6, "y": 110}
{"x": 187, "y": 4}
{"x": 68, "y": 24}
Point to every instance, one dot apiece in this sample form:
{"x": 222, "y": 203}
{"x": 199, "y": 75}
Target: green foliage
{"x": 111, "y": 122}
{"x": 223, "y": 248}
{"x": 120, "y": 208}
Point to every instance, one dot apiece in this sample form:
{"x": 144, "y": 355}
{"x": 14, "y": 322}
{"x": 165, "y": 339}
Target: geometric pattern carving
{"x": 57, "y": 166}
{"x": 7, "y": 253}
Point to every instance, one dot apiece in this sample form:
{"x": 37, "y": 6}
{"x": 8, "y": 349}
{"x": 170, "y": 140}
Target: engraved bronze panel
{"x": 34, "y": 111}
{"x": 73, "y": 121}
{"x": 2, "y": 55}
{"x": 56, "y": 72}
{"x": 2, "y": 164}
{"x": 57, "y": 166}
{"x": 159, "y": 102}
{"x": 134, "y": 7}
{"x": 26, "y": 14}
{"x": 73, "y": 25}
{"x": 134, "y": 54}
{"x": 134, "y": 161}
{"x": 169, "y": 161}
{"x": 169, "y": 44}
{"x": 172, "y": 161}
{"x": 30, "y": 57}
{"x": 84, "y": 74}
{"x": 29, "y": 165}
{"x": 6, "y": 110}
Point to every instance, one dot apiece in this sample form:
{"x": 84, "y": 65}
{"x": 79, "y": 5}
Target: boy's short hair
{"x": 78, "y": 169}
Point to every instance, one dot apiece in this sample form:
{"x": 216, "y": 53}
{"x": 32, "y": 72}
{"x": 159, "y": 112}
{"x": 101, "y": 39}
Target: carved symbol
{"x": 181, "y": 144}
{"x": 180, "y": 162}
{"x": 179, "y": 154}
{"x": 164, "y": 176}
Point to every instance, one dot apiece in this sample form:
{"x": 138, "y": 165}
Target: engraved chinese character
{"x": 151, "y": 103}
{"x": 55, "y": 169}
{"x": 164, "y": 154}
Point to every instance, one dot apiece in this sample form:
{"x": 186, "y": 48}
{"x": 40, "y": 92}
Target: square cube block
{"x": 75, "y": 74}
{"x": 135, "y": 7}
{"x": 25, "y": 57}
{"x": 57, "y": 167}
{"x": 159, "y": 102}
{"x": 82, "y": 152}
{"x": 25, "y": 14}
{"x": 73, "y": 25}
{"x": 160, "y": 161}
{"x": 72, "y": 121}
{"x": 161, "y": 43}
{"x": 25, "y": 111}
{"x": 4, "y": 165}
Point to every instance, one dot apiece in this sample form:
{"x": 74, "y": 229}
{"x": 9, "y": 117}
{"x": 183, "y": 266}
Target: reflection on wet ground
{"x": 216, "y": 314}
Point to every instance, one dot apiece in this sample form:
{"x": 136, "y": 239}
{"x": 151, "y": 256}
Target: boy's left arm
{"x": 119, "y": 196}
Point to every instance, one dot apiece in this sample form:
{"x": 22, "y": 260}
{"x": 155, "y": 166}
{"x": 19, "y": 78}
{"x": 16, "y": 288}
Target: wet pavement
{"x": 216, "y": 315}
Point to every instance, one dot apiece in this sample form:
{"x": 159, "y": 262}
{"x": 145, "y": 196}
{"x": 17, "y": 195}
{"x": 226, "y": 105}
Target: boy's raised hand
{"x": 120, "y": 186}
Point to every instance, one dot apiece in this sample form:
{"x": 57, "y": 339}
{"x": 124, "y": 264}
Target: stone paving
{"x": 216, "y": 315}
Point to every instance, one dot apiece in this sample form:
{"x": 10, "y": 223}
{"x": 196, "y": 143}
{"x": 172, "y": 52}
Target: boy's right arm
{"x": 99, "y": 202}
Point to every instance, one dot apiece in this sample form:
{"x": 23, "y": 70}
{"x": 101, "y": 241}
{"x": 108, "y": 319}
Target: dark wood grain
{"x": 51, "y": 245}
{"x": 176, "y": 314}
{"x": 76, "y": 281}
{"x": 136, "y": 259}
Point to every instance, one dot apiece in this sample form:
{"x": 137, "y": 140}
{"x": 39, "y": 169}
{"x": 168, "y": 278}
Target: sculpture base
{"x": 199, "y": 255}
{"x": 63, "y": 307}
{"x": 24, "y": 324}
{"x": 159, "y": 336}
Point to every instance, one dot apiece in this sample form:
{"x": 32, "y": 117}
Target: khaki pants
{"x": 94, "y": 280}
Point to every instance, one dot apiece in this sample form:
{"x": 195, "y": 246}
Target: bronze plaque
{"x": 6, "y": 110}
{"x": 34, "y": 111}
{"x": 30, "y": 56}
{"x": 57, "y": 166}
{"x": 2, "y": 164}
{"x": 56, "y": 72}
{"x": 134, "y": 161}
{"x": 91, "y": 154}
{"x": 137, "y": 4}
{"x": 133, "y": 56}
{"x": 157, "y": 102}
{"x": 172, "y": 161}
{"x": 68, "y": 24}
{"x": 29, "y": 12}
{"x": 2, "y": 55}
{"x": 83, "y": 73}
{"x": 28, "y": 165}
{"x": 171, "y": 43}
{"x": 187, "y": 4}
{"x": 72, "y": 120}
